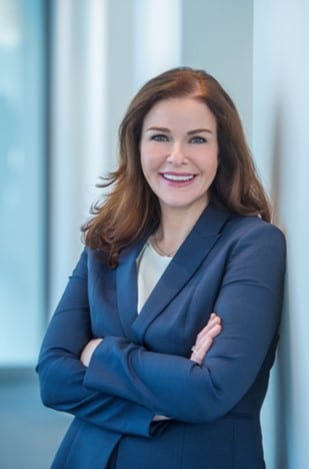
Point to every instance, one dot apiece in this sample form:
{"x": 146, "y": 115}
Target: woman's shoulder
{"x": 244, "y": 227}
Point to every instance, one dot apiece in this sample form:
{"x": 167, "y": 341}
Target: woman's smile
{"x": 178, "y": 179}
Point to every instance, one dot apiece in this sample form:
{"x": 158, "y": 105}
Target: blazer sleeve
{"x": 249, "y": 303}
{"x": 61, "y": 372}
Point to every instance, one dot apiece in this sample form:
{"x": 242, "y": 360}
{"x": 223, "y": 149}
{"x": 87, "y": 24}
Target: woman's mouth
{"x": 180, "y": 178}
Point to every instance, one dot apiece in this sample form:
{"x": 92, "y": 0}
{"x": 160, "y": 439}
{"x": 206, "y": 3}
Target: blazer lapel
{"x": 126, "y": 278}
{"x": 182, "y": 267}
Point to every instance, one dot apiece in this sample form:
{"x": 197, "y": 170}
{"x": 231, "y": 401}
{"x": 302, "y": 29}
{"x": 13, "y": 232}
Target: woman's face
{"x": 179, "y": 153}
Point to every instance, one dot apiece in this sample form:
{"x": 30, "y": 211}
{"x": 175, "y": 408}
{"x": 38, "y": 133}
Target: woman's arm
{"x": 62, "y": 373}
{"x": 249, "y": 304}
{"x": 203, "y": 342}
{"x": 202, "y": 345}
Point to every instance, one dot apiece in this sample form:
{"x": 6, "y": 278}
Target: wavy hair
{"x": 131, "y": 208}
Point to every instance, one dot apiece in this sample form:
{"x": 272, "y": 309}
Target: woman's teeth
{"x": 177, "y": 177}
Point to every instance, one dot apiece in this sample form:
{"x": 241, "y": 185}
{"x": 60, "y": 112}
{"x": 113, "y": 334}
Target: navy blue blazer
{"x": 231, "y": 264}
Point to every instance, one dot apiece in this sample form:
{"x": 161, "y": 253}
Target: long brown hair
{"x": 132, "y": 208}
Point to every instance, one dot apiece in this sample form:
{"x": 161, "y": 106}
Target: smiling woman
{"x": 121, "y": 220}
{"x": 163, "y": 340}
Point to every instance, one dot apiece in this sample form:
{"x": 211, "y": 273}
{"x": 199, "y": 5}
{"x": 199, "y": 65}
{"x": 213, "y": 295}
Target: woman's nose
{"x": 176, "y": 155}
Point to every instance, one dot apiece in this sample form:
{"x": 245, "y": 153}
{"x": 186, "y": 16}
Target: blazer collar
{"x": 179, "y": 271}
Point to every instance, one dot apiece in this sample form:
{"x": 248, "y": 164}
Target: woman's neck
{"x": 172, "y": 231}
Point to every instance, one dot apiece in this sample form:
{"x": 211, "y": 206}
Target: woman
{"x": 162, "y": 343}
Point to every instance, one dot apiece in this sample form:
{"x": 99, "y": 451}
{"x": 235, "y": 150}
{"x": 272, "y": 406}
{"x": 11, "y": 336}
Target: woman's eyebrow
{"x": 158, "y": 129}
{"x": 196, "y": 131}
{"x": 190, "y": 132}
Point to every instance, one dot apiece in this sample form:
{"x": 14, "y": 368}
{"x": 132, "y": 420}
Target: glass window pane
{"x": 22, "y": 189}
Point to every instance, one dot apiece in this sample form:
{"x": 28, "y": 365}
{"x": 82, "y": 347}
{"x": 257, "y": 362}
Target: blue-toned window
{"x": 22, "y": 180}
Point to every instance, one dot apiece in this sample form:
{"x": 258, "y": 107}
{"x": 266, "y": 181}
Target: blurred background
{"x": 68, "y": 69}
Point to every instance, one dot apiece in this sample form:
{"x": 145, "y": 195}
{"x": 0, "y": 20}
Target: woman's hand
{"x": 88, "y": 351}
{"x": 205, "y": 338}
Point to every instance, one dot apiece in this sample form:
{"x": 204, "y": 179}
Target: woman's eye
{"x": 198, "y": 139}
{"x": 160, "y": 138}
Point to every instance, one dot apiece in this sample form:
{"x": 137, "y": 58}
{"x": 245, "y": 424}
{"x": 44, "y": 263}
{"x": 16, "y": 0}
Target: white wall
{"x": 280, "y": 143}
{"x": 218, "y": 37}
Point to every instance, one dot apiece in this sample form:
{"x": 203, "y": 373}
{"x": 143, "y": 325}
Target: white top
{"x": 151, "y": 266}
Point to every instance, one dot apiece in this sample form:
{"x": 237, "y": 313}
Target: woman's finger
{"x": 212, "y": 323}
